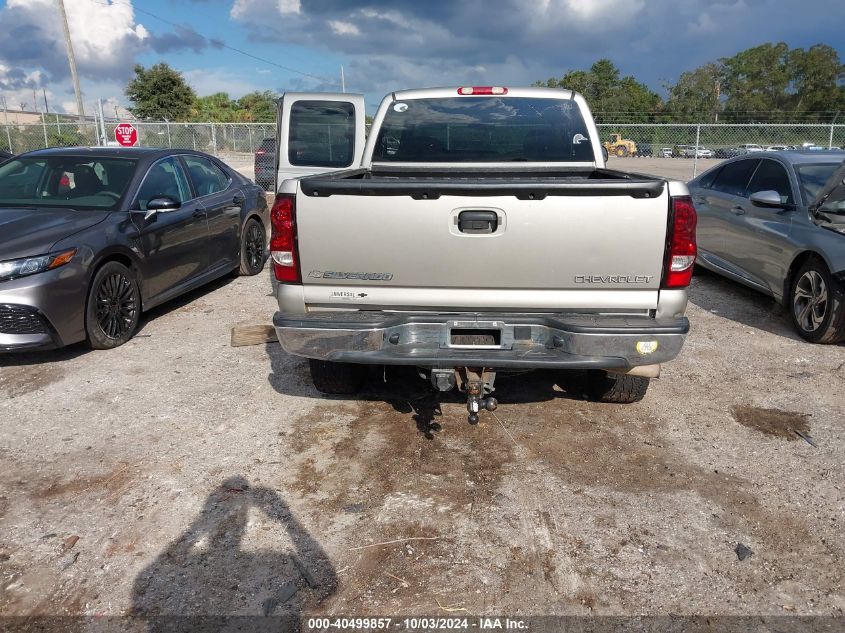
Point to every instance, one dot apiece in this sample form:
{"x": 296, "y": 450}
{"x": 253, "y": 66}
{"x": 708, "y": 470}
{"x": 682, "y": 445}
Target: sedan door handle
{"x": 238, "y": 199}
{"x": 737, "y": 210}
{"x": 199, "y": 212}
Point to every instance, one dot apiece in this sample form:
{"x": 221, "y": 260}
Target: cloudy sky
{"x": 383, "y": 45}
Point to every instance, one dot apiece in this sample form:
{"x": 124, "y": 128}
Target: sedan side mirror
{"x": 767, "y": 198}
{"x": 162, "y": 204}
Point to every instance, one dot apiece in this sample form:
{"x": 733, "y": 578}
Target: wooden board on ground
{"x": 253, "y": 335}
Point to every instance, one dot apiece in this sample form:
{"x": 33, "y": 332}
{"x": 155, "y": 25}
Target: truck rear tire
{"x": 336, "y": 379}
{"x": 602, "y": 386}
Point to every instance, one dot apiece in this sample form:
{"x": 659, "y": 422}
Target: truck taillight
{"x": 681, "y": 250}
{"x": 283, "y": 240}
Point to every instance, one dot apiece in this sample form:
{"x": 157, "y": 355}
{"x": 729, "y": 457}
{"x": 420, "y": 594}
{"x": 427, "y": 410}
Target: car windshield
{"x": 483, "y": 130}
{"x": 76, "y": 182}
{"x": 813, "y": 177}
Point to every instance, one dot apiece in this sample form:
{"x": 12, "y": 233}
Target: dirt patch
{"x": 19, "y": 380}
{"x": 109, "y": 483}
{"x": 774, "y": 422}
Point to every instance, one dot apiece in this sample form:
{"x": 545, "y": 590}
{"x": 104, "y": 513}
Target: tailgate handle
{"x": 478, "y": 222}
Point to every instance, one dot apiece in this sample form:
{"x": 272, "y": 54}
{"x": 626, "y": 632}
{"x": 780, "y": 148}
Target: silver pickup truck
{"x": 475, "y": 230}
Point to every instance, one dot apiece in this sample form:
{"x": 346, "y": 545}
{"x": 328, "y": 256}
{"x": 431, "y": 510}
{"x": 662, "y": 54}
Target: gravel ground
{"x": 179, "y": 475}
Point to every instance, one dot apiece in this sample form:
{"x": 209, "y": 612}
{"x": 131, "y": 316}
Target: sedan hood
{"x": 33, "y": 231}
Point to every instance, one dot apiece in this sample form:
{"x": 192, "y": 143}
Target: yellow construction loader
{"x": 618, "y": 146}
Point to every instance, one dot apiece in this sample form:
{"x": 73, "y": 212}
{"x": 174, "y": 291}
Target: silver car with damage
{"x": 775, "y": 222}
{"x": 480, "y": 232}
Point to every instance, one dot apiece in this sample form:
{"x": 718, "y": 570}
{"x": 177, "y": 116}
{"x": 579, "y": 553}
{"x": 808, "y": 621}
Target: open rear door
{"x": 318, "y": 132}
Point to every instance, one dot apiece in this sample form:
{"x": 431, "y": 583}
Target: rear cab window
{"x": 322, "y": 133}
{"x": 484, "y": 129}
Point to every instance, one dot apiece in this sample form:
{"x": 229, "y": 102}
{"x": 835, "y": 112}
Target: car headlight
{"x": 15, "y": 268}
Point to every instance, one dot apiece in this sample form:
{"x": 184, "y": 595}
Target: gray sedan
{"x": 775, "y": 221}
{"x": 91, "y": 237}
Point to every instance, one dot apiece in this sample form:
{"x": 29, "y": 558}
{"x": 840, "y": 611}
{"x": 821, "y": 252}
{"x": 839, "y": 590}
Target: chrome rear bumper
{"x": 575, "y": 341}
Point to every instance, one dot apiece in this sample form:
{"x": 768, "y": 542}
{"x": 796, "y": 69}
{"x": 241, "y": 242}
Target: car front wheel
{"x": 114, "y": 306}
{"x": 817, "y": 303}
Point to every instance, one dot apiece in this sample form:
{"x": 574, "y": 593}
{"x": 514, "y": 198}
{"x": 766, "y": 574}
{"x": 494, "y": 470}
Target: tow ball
{"x": 477, "y": 385}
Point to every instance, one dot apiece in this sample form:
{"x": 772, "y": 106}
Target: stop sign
{"x": 126, "y": 134}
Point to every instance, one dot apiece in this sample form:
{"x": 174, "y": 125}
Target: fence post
{"x": 695, "y": 153}
{"x": 58, "y": 126}
{"x": 9, "y": 138}
{"x": 214, "y": 138}
{"x": 193, "y": 136}
{"x": 44, "y": 126}
{"x": 234, "y": 140}
{"x": 251, "y": 143}
{"x": 167, "y": 123}
{"x": 830, "y": 136}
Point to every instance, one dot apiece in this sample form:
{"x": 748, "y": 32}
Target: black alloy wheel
{"x": 114, "y": 306}
{"x": 253, "y": 248}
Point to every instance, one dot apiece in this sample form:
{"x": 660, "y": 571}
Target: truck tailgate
{"x": 594, "y": 252}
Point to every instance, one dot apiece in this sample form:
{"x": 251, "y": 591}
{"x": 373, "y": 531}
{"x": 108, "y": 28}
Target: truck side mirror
{"x": 604, "y": 153}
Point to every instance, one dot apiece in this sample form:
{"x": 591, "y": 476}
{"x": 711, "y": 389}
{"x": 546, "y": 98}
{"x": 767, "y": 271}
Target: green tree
{"x": 607, "y": 92}
{"x": 160, "y": 92}
{"x": 756, "y": 82}
{"x": 216, "y": 107}
{"x": 258, "y": 107}
{"x": 695, "y": 98}
{"x": 817, "y": 75}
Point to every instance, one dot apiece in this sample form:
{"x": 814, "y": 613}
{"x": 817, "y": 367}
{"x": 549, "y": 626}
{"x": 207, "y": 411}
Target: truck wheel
{"x": 817, "y": 303}
{"x": 621, "y": 151}
{"x": 336, "y": 378}
{"x": 602, "y": 386}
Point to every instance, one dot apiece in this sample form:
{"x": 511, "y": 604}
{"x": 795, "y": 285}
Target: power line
{"x": 222, "y": 43}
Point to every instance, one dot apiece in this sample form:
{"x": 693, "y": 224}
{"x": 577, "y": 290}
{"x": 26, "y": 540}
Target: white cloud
{"x": 344, "y": 28}
{"x": 597, "y": 11}
{"x": 105, "y": 36}
{"x": 289, "y": 6}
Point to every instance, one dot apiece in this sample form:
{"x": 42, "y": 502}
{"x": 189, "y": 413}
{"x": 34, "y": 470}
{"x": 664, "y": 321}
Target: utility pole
{"x": 71, "y": 60}
{"x": 102, "y": 120}
{"x": 46, "y": 107}
{"x": 718, "y": 93}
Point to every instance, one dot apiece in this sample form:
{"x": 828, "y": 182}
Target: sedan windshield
{"x": 483, "y": 129}
{"x": 813, "y": 178}
{"x": 76, "y": 182}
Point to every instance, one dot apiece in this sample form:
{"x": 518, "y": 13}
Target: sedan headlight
{"x": 15, "y": 268}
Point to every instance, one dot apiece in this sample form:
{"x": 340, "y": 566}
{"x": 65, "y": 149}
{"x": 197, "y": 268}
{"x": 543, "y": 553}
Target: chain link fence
{"x": 697, "y": 147}
{"x": 213, "y": 138}
{"x": 692, "y": 147}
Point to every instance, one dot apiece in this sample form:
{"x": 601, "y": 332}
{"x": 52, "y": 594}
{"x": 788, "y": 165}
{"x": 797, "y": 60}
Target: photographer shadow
{"x": 207, "y": 580}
